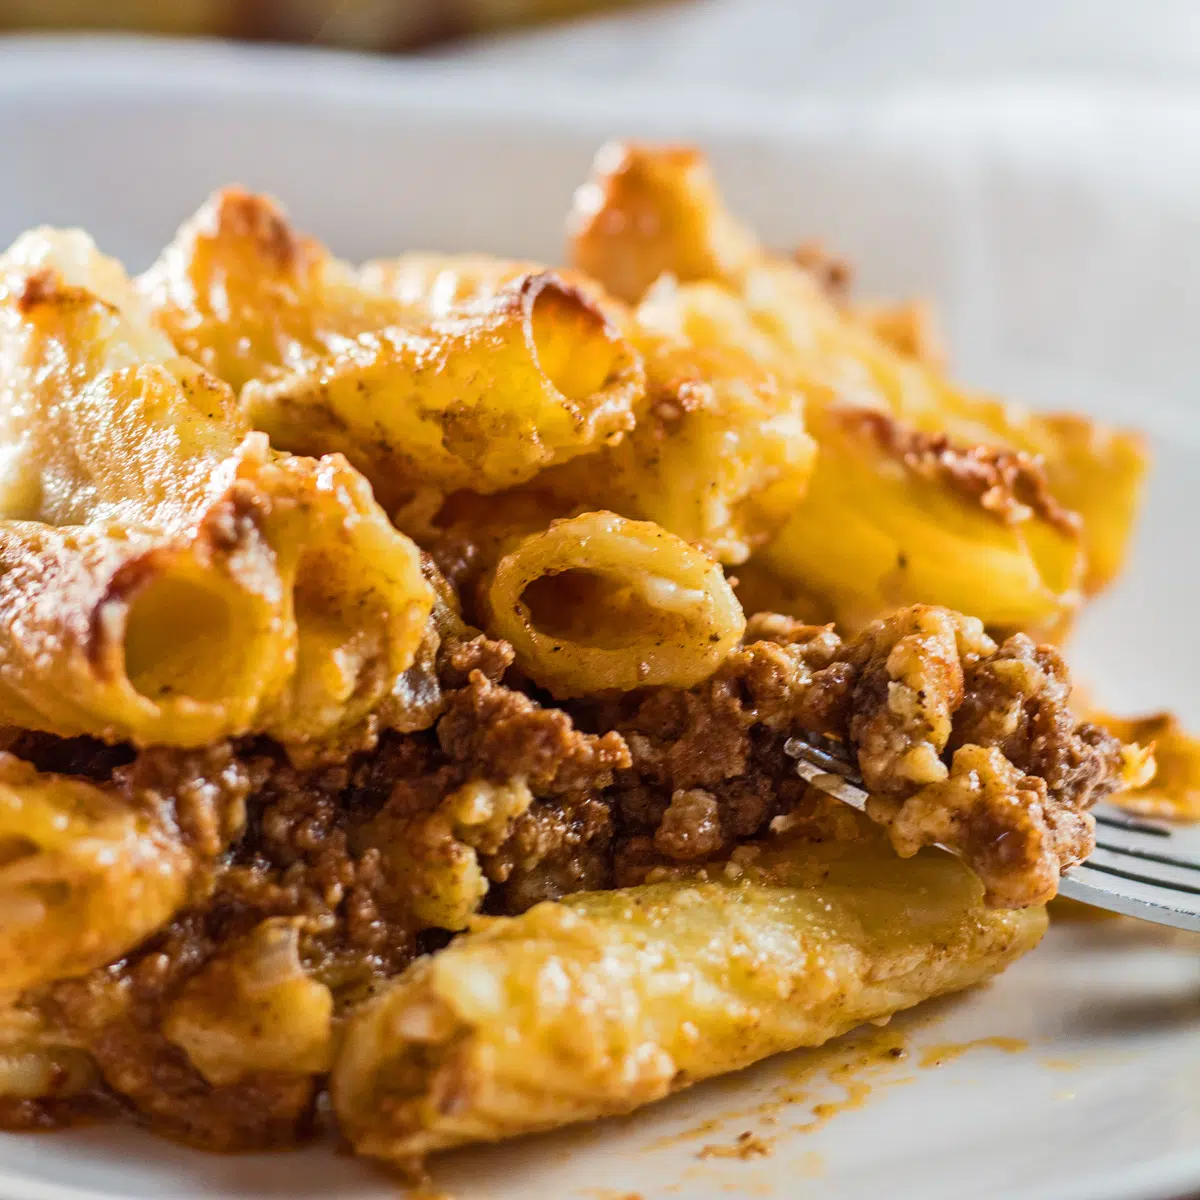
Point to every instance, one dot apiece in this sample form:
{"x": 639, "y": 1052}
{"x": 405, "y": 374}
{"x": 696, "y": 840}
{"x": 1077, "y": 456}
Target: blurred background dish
{"x": 358, "y": 24}
{"x": 831, "y": 46}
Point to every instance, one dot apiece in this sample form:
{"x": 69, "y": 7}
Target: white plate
{"x": 1061, "y": 232}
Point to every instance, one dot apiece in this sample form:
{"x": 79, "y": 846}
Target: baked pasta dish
{"x": 396, "y": 662}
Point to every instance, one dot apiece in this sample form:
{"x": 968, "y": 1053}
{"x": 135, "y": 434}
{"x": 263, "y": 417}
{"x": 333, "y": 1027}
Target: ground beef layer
{"x": 503, "y": 800}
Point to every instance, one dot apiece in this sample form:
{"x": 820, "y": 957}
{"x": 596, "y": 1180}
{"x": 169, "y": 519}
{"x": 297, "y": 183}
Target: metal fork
{"x": 1129, "y": 872}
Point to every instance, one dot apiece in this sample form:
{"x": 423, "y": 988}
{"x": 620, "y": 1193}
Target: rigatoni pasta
{"x": 132, "y": 490}
{"x": 900, "y": 499}
{"x": 254, "y": 1008}
{"x": 650, "y": 211}
{"x": 720, "y": 455}
{"x": 83, "y": 877}
{"x": 916, "y": 517}
{"x": 36, "y": 1064}
{"x": 597, "y": 603}
{"x": 438, "y": 284}
{"x": 483, "y": 399}
{"x": 470, "y": 373}
{"x": 242, "y": 293}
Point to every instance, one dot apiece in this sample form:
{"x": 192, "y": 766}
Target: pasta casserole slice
{"x": 397, "y": 660}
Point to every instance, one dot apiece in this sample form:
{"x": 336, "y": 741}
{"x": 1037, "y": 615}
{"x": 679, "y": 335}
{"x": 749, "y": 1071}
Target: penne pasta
{"x": 649, "y": 211}
{"x": 278, "y": 730}
{"x": 597, "y": 603}
{"x": 849, "y": 358}
{"x": 425, "y": 372}
{"x": 1173, "y": 791}
{"x": 611, "y": 1000}
{"x": 254, "y": 1008}
{"x": 916, "y": 518}
{"x": 439, "y": 284}
{"x": 37, "y": 1063}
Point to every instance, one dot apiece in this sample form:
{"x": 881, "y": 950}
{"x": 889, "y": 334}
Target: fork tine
{"x": 1150, "y": 902}
{"x": 1130, "y": 824}
{"x": 832, "y": 784}
{"x": 1185, "y": 880}
{"x": 1109, "y": 879}
{"x": 1167, "y": 860}
{"x": 1138, "y": 853}
{"x": 822, "y": 756}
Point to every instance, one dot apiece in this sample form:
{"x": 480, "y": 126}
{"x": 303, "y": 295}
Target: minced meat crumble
{"x": 500, "y": 802}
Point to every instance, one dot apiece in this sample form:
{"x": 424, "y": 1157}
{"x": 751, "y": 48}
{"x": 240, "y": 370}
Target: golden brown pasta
{"x": 260, "y": 751}
{"x": 254, "y": 1008}
{"x": 246, "y": 296}
{"x": 611, "y": 1000}
{"x": 630, "y": 225}
{"x": 83, "y": 876}
{"x": 654, "y": 210}
{"x": 916, "y": 516}
{"x": 424, "y": 372}
{"x": 891, "y": 519}
{"x": 438, "y": 284}
{"x": 598, "y": 602}
{"x": 37, "y": 1061}
{"x": 483, "y": 399}
{"x": 470, "y": 532}
{"x": 131, "y": 491}
{"x": 910, "y": 327}
{"x": 1090, "y": 468}
{"x": 1174, "y": 789}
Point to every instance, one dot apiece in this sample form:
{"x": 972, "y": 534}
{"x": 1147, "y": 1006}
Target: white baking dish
{"x": 1059, "y": 230}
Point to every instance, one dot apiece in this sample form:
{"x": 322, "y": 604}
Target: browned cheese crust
{"x": 1009, "y": 484}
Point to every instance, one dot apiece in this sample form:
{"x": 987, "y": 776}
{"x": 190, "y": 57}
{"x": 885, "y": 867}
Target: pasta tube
{"x": 246, "y": 296}
{"x": 891, "y": 515}
{"x": 610, "y": 1000}
{"x": 483, "y": 399}
{"x": 597, "y": 603}
{"x": 131, "y": 490}
{"x": 84, "y": 876}
{"x": 254, "y": 1008}
{"x": 1090, "y": 468}
{"x": 438, "y": 285}
{"x": 456, "y": 373}
{"x": 38, "y": 1063}
{"x": 1174, "y": 789}
{"x": 649, "y": 211}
